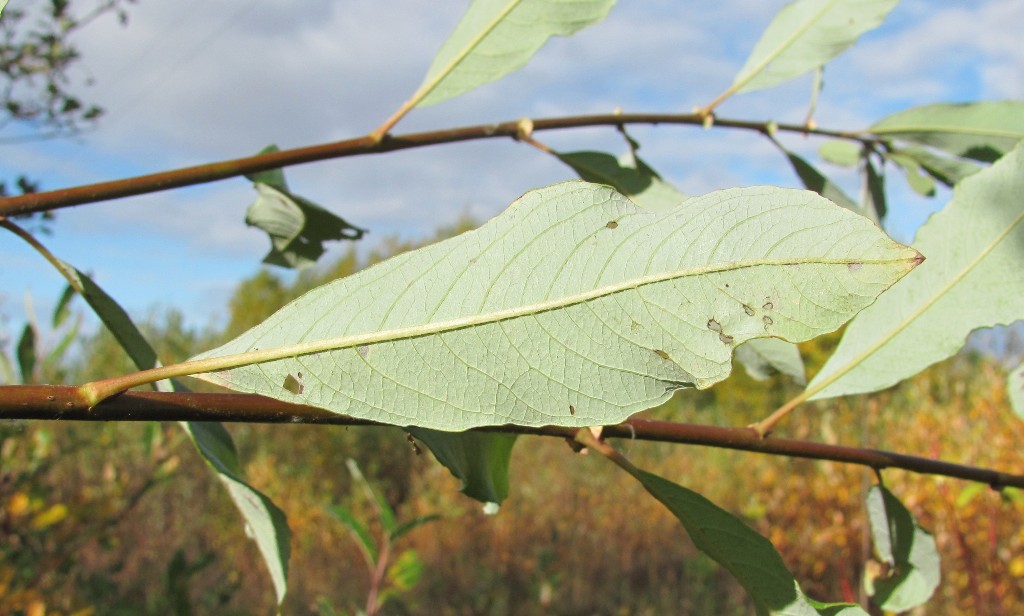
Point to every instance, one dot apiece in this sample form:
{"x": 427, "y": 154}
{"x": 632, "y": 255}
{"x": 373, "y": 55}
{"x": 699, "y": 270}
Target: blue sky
{"x": 199, "y": 81}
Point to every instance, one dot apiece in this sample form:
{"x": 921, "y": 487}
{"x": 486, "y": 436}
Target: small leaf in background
{"x": 921, "y": 183}
{"x": 945, "y": 169}
{"x": 983, "y": 131}
{"x": 816, "y": 181}
{"x": 840, "y": 152}
{"x": 907, "y": 550}
{"x": 1015, "y": 390}
{"x": 763, "y": 357}
{"x": 805, "y": 35}
{"x": 496, "y": 37}
{"x": 405, "y": 572}
{"x": 574, "y": 307}
{"x": 297, "y": 227}
{"x": 63, "y": 308}
{"x": 872, "y": 192}
{"x": 26, "y": 354}
{"x": 359, "y": 532}
{"x": 479, "y": 459}
{"x": 629, "y": 175}
{"x": 748, "y": 556}
{"x": 385, "y": 513}
{"x": 971, "y": 279}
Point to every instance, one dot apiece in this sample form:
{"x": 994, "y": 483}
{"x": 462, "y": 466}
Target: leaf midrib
{"x": 786, "y": 44}
{"x": 225, "y": 362}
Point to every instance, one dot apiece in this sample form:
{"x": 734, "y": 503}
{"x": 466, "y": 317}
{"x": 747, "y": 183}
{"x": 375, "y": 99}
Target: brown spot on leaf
{"x": 714, "y": 326}
{"x": 725, "y": 339}
{"x": 767, "y": 321}
{"x": 854, "y": 267}
{"x": 572, "y": 410}
{"x": 661, "y": 354}
{"x": 363, "y": 351}
{"x": 292, "y": 384}
{"x": 612, "y": 224}
{"x": 768, "y": 306}
{"x": 747, "y": 309}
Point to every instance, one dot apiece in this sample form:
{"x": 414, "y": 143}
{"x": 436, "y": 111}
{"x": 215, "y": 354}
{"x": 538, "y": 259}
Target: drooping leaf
{"x": 385, "y": 513}
{"x": 918, "y": 180}
{"x": 972, "y": 279}
{"x": 26, "y": 354}
{"x": 816, "y": 181}
{"x": 573, "y": 307}
{"x": 872, "y": 193}
{"x": 983, "y": 131}
{"x": 840, "y": 152}
{"x": 478, "y": 459}
{"x": 806, "y": 34}
{"x": 909, "y": 551}
{"x": 404, "y": 528}
{"x": 1015, "y": 390}
{"x": 629, "y": 175}
{"x": 763, "y": 357}
{"x": 945, "y": 169}
{"x": 266, "y": 522}
{"x": 497, "y": 37}
{"x": 297, "y": 227}
{"x": 748, "y": 556}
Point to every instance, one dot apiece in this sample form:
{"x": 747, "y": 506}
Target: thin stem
{"x": 60, "y": 266}
{"x": 51, "y": 402}
{"x": 212, "y": 172}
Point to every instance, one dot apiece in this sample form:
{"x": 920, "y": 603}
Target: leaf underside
{"x": 496, "y": 37}
{"x": 573, "y": 307}
{"x": 971, "y": 279}
{"x": 805, "y": 35}
{"x": 908, "y": 549}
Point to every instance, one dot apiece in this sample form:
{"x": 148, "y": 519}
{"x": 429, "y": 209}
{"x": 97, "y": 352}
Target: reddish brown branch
{"x": 200, "y": 174}
{"x": 64, "y": 403}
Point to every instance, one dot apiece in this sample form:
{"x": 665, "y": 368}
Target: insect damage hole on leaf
{"x": 726, "y": 339}
{"x": 715, "y": 326}
{"x": 293, "y": 384}
{"x": 747, "y": 309}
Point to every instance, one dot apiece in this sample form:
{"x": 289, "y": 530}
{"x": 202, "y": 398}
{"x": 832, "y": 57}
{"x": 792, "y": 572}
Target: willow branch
{"x": 49, "y": 402}
{"x": 212, "y": 172}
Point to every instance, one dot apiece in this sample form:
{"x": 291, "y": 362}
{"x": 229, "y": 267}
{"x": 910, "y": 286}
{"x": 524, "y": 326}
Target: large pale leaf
{"x": 265, "y": 522}
{"x": 973, "y": 278}
{"x": 496, "y": 37}
{"x": 573, "y": 307}
{"x": 982, "y": 131}
{"x": 629, "y": 175}
{"x": 1015, "y": 390}
{"x": 805, "y": 35}
{"x": 748, "y": 556}
{"x": 908, "y": 551}
{"x": 478, "y": 459}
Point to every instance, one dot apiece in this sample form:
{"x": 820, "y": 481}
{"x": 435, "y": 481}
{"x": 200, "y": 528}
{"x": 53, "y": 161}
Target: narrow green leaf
{"x": 405, "y": 527}
{"x": 806, "y": 34}
{"x": 497, "y": 37}
{"x": 763, "y": 357}
{"x": 945, "y": 169}
{"x": 1015, "y": 390}
{"x": 63, "y": 307}
{"x": 3, "y": 5}
{"x": 358, "y": 531}
{"x": 983, "y": 131}
{"x": 267, "y": 524}
{"x": 972, "y": 279}
{"x": 629, "y": 175}
{"x": 840, "y": 152}
{"x": 919, "y": 182}
{"x": 478, "y": 459}
{"x": 54, "y": 358}
{"x": 873, "y": 200}
{"x": 297, "y": 228}
{"x": 909, "y": 551}
{"x": 26, "y": 354}
{"x": 748, "y": 556}
{"x": 574, "y": 307}
{"x": 384, "y": 510}
{"x": 816, "y": 181}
